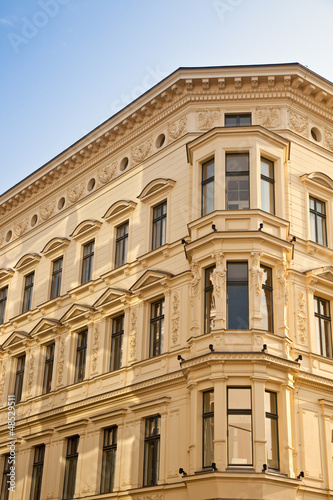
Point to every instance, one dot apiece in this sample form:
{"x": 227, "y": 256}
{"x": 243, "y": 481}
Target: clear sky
{"x": 68, "y": 65}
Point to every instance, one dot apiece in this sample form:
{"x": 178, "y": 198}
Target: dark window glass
{"x": 81, "y": 352}
{"x": 156, "y": 328}
{"x": 19, "y": 378}
{"x": 237, "y": 181}
{"x": 37, "y": 472}
{"x": 56, "y": 278}
{"x": 87, "y": 262}
{"x": 152, "y": 451}
{"x": 159, "y": 225}
{"x": 239, "y": 426}
{"x": 70, "y": 467}
{"x": 267, "y": 186}
{"x": 318, "y": 221}
{"x": 323, "y": 327}
{"x": 48, "y": 368}
{"x": 121, "y": 245}
{"x": 207, "y": 188}
{"x": 3, "y": 303}
{"x": 272, "y": 434}
{"x": 234, "y": 120}
{"x": 28, "y": 289}
{"x": 209, "y": 302}
{"x": 208, "y": 429}
{"x": 267, "y": 299}
{"x": 109, "y": 459}
{"x": 237, "y": 296}
{"x": 5, "y": 477}
{"x": 117, "y": 342}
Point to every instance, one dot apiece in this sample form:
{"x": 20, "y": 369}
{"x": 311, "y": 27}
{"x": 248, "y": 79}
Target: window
{"x": 323, "y": 327}
{"x": 48, "y": 368}
{"x": 237, "y": 181}
{"x": 267, "y": 186}
{"x": 87, "y": 262}
{"x": 3, "y": 302}
{"x": 5, "y": 477}
{"x": 28, "y": 288}
{"x": 267, "y": 299}
{"x": 237, "y": 296}
{"x": 239, "y": 426}
{"x": 70, "y": 468}
{"x": 56, "y": 278}
{"x": 318, "y": 221}
{"x": 109, "y": 459}
{"x": 37, "y": 472}
{"x": 159, "y": 225}
{"x": 121, "y": 244}
{"x": 81, "y": 352}
{"x": 152, "y": 451}
{"x": 19, "y": 378}
{"x": 209, "y": 305}
{"x": 208, "y": 429}
{"x": 207, "y": 188}
{"x": 234, "y": 120}
{"x": 272, "y": 434}
{"x": 156, "y": 328}
{"x": 116, "y": 342}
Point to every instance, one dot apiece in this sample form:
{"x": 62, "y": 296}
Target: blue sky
{"x": 68, "y": 65}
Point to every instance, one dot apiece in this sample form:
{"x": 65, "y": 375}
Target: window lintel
{"x": 158, "y": 186}
{"x": 86, "y": 228}
{"x": 120, "y": 210}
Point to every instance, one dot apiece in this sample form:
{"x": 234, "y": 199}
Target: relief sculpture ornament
{"x": 297, "y": 122}
{"x": 94, "y": 355}
{"x": 283, "y": 282}
{"x": 21, "y": 227}
{"x": 257, "y": 273}
{"x": 47, "y": 210}
{"x": 2, "y": 382}
{"x": 178, "y": 128}
{"x": 207, "y": 119}
{"x": 329, "y": 139}
{"x": 175, "y": 317}
{"x": 107, "y": 173}
{"x": 31, "y": 372}
{"x": 301, "y": 318}
{"x": 141, "y": 152}
{"x": 269, "y": 117}
{"x": 218, "y": 277}
{"x": 132, "y": 336}
{"x": 61, "y": 361}
{"x": 75, "y": 192}
{"x": 194, "y": 286}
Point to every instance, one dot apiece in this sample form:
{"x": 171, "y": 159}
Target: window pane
{"x": 272, "y": 443}
{"x": 267, "y": 196}
{"x": 208, "y": 170}
{"x": 208, "y": 198}
{"x": 152, "y": 451}
{"x": 239, "y": 398}
{"x": 238, "y": 307}
{"x": 238, "y": 162}
{"x": 208, "y": 440}
{"x": 240, "y": 439}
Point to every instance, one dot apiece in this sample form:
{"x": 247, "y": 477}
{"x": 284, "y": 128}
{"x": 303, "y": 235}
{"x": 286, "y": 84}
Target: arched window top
{"x": 86, "y": 227}
{"x": 157, "y": 186}
{"x": 121, "y": 208}
{"x": 30, "y": 259}
{"x": 54, "y": 245}
{"x": 318, "y": 178}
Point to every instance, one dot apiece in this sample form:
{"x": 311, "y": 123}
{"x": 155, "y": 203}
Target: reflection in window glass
{"x": 207, "y": 188}
{"x": 272, "y": 435}
{"x": 237, "y": 181}
{"x": 239, "y": 426}
{"x": 267, "y": 299}
{"x": 237, "y": 296}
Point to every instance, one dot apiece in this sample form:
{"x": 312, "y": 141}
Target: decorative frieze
{"x": 297, "y": 122}
{"x": 178, "y": 128}
{"x": 206, "y": 119}
{"x": 175, "y": 318}
{"x": 76, "y": 192}
{"x": 61, "y": 361}
{"x": 105, "y": 174}
{"x": 301, "y": 319}
{"x": 95, "y": 347}
{"x": 31, "y": 373}
{"x": 132, "y": 334}
{"x": 269, "y": 117}
{"x": 21, "y": 227}
{"x": 47, "y": 210}
{"x": 139, "y": 153}
{"x": 329, "y": 139}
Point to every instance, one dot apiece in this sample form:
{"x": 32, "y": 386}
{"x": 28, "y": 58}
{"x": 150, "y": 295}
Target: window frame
{"x": 56, "y": 281}
{"x": 238, "y": 117}
{"x": 121, "y": 245}
{"x": 269, "y": 290}
{"x": 4, "y": 492}
{"x": 320, "y": 333}
{"x": 106, "y": 462}
{"x": 208, "y": 294}
{"x": 87, "y": 262}
{"x": 229, "y": 283}
{"x": 275, "y": 417}
{"x": 19, "y": 379}
{"x": 71, "y": 458}
{"x": 48, "y": 370}
{"x": 80, "y": 360}
{"x": 207, "y": 416}
{"x": 3, "y": 303}
{"x": 28, "y": 292}
{"x": 153, "y": 340}
{"x": 270, "y": 181}
{"x": 116, "y": 334}
{"x": 37, "y": 470}
{"x": 204, "y": 183}
{"x": 159, "y": 221}
{"x": 321, "y": 216}
{"x": 238, "y": 173}
{"x": 156, "y": 440}
{"x": 239, "y": 412}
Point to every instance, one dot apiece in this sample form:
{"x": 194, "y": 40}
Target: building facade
{"x": 165, "y": 293}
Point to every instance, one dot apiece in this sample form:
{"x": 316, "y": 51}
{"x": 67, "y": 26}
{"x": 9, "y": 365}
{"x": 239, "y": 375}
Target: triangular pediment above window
{"x": 5, "y": 274}
{"x": 121, "y": 209}
{"x": 85, "y": 228}
{"x": 318, "y": 178}
{"x": 77, "y": 311}
{"x": 157, "y": 186}
{"x": 30, "y": 259}
{"x": 44, "y": 325}
{"x": 54, "y": 245}
{"x": 112, "y": 295}
{"x": 325, "y": 273}
{"x": 15, "y": 339}
{"x": 150, "y": 278}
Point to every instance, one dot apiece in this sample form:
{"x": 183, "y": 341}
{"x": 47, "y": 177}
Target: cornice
{"x": 186, "y": 85}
